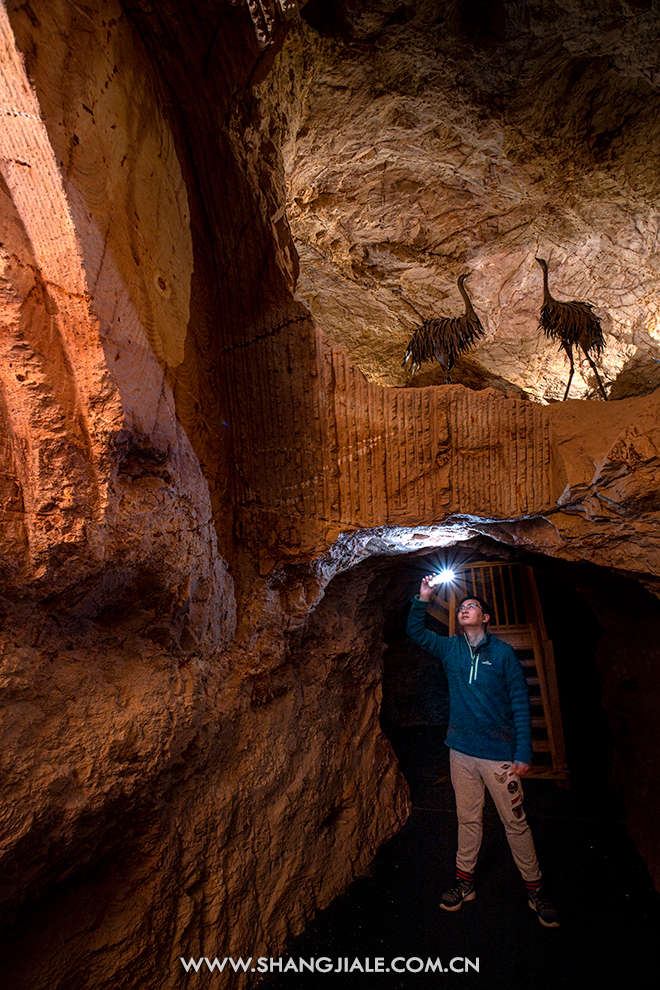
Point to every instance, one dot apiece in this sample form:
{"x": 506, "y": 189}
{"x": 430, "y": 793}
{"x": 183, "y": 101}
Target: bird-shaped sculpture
{"x": 573, "y": 324}
{"x": 445, "y": 337}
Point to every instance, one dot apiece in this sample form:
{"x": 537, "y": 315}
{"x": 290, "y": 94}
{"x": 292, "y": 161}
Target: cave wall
{"x": 604, "y": 627}
{"x": 294, "y": 444}
{"x": 630, "y": 680}
{"x": 102, "y": 474}
{"x": 191, "y": 741}
{"x": 175, "y": 783}
{"x": 159, "y": 805}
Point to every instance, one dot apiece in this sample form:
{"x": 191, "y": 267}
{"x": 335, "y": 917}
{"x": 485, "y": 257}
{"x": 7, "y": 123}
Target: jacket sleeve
{"x": 437, "y": 645}
{"x": 519, "y": 699}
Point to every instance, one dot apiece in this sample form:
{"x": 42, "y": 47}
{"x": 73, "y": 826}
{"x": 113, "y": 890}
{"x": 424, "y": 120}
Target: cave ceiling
{"x": 425, "y": 140}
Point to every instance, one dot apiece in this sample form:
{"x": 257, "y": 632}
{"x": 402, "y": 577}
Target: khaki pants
{"x": 468, "y": 776}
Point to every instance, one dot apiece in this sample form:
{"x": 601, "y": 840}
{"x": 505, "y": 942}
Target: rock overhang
{"x": 421, "y": 143}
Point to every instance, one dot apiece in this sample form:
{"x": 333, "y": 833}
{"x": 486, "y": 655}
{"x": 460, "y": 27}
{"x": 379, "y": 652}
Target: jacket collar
{"x": 484, "y": 642}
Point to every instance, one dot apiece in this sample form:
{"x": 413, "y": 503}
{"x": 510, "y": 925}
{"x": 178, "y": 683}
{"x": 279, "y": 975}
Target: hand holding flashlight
{"x": 426, "y": 587}
{"x": 429, "y": 582}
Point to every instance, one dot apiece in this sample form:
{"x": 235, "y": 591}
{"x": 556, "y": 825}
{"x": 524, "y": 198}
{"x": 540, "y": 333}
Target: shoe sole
{"x": 546, "y": 924}
{"x": 468, "y": 897}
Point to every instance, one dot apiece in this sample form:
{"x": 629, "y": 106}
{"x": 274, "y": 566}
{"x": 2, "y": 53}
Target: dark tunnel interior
{"x": 602, "y": 625}
{"x": 415, "y": 708}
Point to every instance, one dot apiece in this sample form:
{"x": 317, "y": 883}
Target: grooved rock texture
{"x": 191, "y": 684}
{"x": 99, "y": 474}
{"x": 425, "y": 140}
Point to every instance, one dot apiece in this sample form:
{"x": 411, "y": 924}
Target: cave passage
{"x": 415, "y": 710}
{"x": 591, "y": 866}
{"x": 220, "y": 225}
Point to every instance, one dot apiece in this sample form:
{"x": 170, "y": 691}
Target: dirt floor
{"x": 610, "y": 914}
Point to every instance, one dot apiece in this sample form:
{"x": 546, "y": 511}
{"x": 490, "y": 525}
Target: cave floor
{"x": 610, "y": 913}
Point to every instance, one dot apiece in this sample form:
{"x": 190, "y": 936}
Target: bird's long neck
{"x": 469, "y": 308}
{"x": 546, "y": 291}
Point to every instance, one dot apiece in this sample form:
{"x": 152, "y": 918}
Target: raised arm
{"x": 417, "y": 630}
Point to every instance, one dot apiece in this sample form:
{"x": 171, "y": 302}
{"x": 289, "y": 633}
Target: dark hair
{"x": 485, "y": 607}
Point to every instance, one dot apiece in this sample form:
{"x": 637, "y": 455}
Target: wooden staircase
{"x": 510, "y": 590}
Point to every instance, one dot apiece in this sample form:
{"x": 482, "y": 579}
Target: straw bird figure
{"x": 573, "y": 324}
{"x": 445, "y": 337}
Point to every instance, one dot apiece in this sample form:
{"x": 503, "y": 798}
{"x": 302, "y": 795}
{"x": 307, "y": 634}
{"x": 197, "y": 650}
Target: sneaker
{"x": 547, "y": 913}
{"x": 453, "y": 897}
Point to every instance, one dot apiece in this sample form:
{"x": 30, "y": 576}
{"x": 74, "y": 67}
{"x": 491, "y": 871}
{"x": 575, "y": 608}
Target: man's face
{"x": 471, "y": 615}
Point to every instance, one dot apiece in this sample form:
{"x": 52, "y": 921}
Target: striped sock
{"x": 533, "y": 886}
{"x": 463, "y": 876}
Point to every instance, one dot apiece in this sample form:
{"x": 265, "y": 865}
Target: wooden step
{"x": 518, "y": 637}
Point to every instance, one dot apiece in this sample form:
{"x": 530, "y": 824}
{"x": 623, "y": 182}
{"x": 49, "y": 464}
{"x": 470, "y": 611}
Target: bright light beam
{"x": 443, "y": 577}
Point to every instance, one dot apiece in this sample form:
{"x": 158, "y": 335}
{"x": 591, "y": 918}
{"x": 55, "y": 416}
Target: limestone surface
{"x": 428, "y": 140}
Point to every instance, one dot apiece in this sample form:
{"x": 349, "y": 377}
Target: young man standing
{"x": 489, "y": 739}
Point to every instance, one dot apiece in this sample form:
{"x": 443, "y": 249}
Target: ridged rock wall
{"x": 190, "y": 733}
{"x": 101, "y": 476}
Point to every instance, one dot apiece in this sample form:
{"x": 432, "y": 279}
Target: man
{"x": 489, "y": 739}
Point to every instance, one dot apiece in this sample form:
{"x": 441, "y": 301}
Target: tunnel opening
{"x": 602, "y": 625}
{"x": 582, "y": 833}
{"x": 415, "y": 708}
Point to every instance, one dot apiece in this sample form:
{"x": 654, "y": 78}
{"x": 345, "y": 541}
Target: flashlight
{"x": 442, "y": 578}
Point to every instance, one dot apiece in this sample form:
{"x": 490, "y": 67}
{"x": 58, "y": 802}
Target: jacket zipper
{"x": 474, "y": 662}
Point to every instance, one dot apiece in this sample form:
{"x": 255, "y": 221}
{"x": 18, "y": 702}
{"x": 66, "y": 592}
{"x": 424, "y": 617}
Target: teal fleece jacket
{"x": 488, "y": 697}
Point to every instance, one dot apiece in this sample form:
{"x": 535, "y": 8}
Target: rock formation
{"x": 192, "y": 463}
{"x": 425, "y": 140}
